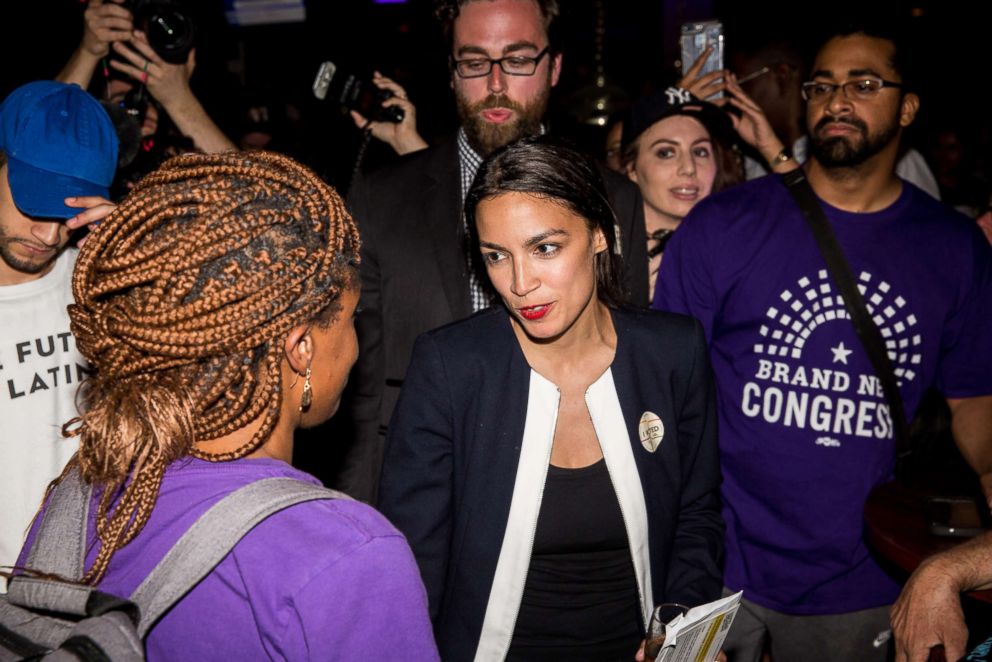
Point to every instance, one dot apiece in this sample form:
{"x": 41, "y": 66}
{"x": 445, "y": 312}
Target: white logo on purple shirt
{"x": 829, "y": 389}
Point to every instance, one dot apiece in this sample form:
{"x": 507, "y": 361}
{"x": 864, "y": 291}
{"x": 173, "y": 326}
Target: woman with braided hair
{"x": 216, "y": 305}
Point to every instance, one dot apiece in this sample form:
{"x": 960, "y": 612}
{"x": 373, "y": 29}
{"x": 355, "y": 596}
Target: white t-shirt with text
{"x": 40, "y": 369}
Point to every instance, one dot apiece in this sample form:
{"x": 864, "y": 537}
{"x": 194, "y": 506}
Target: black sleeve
{"x": 696, "y": 572}
{"x": 417, "y": 482}
{"x": 359, "y": 473}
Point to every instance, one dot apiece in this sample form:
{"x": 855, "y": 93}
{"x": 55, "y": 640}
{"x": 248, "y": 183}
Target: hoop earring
{"x": 307, "y": 398}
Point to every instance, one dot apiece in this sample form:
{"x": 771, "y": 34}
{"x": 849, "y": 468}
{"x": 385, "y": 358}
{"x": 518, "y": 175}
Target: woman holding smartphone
{"x": 679, "y": 149}
{"x": 553, "y": 461}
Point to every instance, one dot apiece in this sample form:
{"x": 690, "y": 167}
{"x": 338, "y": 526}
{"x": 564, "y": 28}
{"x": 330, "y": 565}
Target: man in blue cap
{"x": 58, "y": 153}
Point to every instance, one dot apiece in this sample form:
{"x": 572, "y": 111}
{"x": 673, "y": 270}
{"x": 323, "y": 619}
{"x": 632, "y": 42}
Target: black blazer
{"x": 453, "y": 448}
{"x": 415, "y": 278}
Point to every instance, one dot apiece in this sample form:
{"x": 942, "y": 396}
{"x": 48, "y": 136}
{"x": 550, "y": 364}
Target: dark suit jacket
{"x": 415, "y": 278}
{"x": 454, "y": 445}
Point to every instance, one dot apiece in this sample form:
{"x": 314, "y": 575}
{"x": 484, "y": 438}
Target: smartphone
{"x": 354, "y": 92}
{"x": 956, "y": 517}
{"x": 694, "y": 39}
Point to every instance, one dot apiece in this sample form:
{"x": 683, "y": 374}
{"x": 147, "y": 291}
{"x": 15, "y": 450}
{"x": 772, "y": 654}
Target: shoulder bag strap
{"x": 868, "y": 333}
{"x": 212, "y": 537}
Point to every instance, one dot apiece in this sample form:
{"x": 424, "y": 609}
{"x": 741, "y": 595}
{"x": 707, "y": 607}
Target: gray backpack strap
{"x": 65, "y": 598}
{"x": 60, "y": 543}
{"x": 59, "y": 548}
{"x": 62, "y": 620}
{"x": 211, "y": 539}
{"x": 49, "y": 595}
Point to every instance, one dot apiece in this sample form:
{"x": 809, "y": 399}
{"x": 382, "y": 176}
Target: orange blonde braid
{"x": 184, "y": 296}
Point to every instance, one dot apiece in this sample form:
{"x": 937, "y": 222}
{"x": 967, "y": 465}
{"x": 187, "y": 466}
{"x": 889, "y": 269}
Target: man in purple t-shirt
{"x": 805, "y": 429}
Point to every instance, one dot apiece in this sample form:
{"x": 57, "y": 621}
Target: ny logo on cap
{"x": 678, "y": 96}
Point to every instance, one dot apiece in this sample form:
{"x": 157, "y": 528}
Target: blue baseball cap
{"x": 59, "y": 142}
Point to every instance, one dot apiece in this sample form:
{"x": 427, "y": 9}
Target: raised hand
{"x": 93, "y": 209}
{"x": 707, "y": 85}
{"x": 168, "y": 83}
{"x": 753, "y": 126}
{"x": 103, "y": 24}
{"x": 401, "y": 136}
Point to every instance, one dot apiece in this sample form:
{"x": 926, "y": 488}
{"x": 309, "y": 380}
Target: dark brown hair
{"x": 184, "y": 296}
{"x": 446, "y": 11}
{"x": 553, "y": 169}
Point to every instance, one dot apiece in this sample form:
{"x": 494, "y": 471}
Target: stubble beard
{"x": 841, "y": 151}
{"x": 22, "y": 265}
{"x": 486, "y": 137}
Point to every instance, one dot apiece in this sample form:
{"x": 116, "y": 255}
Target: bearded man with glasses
{"x": 805, "y": 429}
{"x": 782, "y": 99}
{"x": 419, "y": 269}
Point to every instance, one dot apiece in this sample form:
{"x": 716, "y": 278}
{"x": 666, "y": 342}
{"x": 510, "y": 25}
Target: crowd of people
{"x": 574, "y": 388}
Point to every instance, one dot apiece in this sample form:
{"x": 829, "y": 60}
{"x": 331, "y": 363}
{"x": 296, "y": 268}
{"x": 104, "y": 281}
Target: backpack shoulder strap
{"x": 59, "y": 548}
{"x": 212, "y": 537}
{"x": 60, "y": 543}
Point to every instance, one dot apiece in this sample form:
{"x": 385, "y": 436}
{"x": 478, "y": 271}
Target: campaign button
{"x": 651, "y": 431}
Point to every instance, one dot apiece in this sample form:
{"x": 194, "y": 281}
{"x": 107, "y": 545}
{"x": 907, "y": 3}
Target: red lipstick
{"x": 533, "y": 313}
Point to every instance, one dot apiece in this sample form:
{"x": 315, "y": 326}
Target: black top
{"x": 580, "y": 600}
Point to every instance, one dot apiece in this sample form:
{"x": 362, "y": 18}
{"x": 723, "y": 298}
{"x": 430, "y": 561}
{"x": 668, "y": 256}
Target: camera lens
{"x": 169, "y": 28}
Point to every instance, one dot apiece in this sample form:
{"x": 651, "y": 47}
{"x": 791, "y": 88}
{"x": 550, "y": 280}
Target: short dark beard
{"x": 486, "y": 137}
{"x": 839, "y": 152}
{"x": 17, "y": 264}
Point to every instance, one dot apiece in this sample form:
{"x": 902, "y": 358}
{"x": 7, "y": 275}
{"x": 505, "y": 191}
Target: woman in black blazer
{"x": 553, "y": 461}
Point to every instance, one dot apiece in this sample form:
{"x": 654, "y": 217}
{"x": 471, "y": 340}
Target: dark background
{"x": 274, "y": 65}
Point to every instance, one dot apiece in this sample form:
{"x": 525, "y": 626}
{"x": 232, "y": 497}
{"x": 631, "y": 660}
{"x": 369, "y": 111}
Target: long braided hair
{"x": 184, "y": 297}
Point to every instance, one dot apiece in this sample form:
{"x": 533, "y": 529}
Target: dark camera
{"x": 168, "y": 26}
{"x": 354, "y": 92}
{"x": 135, "y": 104}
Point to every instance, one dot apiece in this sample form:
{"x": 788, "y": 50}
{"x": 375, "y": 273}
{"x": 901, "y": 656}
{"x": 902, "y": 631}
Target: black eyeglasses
{"x": 861, "y": 89}
{"x": 512, "y": 65}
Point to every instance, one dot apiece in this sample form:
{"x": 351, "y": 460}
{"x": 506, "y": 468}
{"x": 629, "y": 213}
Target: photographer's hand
{"x": 401, "y": 136}
{"x": 103, "y": 24}
{"x": 169, "y": 85}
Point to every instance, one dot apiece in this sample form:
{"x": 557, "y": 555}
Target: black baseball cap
{"x": 648, "y": 110}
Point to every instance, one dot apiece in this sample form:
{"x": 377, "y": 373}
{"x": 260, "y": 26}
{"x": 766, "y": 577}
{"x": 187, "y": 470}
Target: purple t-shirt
{"x": 323, "y": 580}
{"x": 805, "y": 432}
